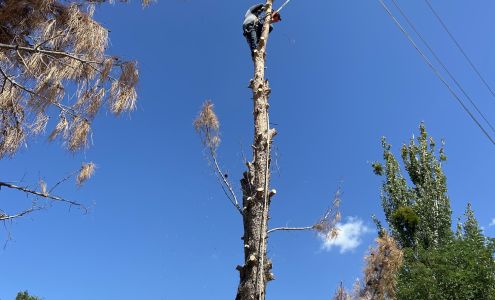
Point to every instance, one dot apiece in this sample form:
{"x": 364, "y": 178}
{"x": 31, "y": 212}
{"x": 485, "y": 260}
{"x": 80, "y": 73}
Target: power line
{"x": 432, "y": 67}
{"x": 473, "y": 66}
{"x": 283, "y": 5}
{"x": 396, "y": 4}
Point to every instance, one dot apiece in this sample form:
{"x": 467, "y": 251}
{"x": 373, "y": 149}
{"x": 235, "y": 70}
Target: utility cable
{"x": 473, "y": 66}
{"x": 396, "y": 4}
{"x": 283, "y": 5}
{"x": 432, "y": 67}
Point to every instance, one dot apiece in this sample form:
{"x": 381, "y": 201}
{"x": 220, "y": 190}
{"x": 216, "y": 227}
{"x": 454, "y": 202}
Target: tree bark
{"x": 255, "y": 272}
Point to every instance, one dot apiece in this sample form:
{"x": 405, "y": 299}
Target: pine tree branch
{"x": 38, "y": 49}
{"x": 62, "y": 107}
{"x": 55, "y": 55}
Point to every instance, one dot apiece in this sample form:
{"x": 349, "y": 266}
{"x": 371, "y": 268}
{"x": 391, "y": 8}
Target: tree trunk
{"x": 255, "y": 272}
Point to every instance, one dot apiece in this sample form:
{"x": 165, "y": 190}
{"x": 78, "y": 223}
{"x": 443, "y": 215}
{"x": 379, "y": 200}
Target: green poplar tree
{"x": 25, "y": 296}
{"x": 427, "y": 197}
{"x": 438, "y": 264}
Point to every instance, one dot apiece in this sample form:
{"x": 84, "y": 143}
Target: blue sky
{"x": 342, "y": 76}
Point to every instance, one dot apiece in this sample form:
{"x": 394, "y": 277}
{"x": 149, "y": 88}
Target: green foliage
{"x": 427, "y": 197}
{"x": 459, "y": 270}
{"x": 405, "y": 221}
{"x": 471, "y": 228}
{"x": 438, "y": 264}
{"x": 377, "y": 168}
{"x": 25, "y": 296}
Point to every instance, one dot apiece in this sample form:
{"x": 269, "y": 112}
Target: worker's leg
{"x": 251, "y": 37}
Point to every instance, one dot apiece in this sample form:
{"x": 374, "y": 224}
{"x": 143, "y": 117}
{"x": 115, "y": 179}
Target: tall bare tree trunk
{"x": 255, "y": 183}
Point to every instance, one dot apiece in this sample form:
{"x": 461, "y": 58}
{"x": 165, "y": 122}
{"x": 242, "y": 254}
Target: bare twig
{"x": 44, "y": 195}
{"x": 4, "y": 217}
{"x": 221, "y": 177}
{"x": 62, "y": 181}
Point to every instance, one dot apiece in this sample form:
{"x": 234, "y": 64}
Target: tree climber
{"x": 253, "y": 25}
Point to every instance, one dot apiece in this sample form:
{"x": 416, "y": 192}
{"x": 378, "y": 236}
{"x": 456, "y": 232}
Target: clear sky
{"x": 342, "y": 76}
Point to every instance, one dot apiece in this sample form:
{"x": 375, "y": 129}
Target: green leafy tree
{"x": 462, "y": 269}
{"x": 417, "y": 214}
{"x": 438, "y": 264}
{"x": 25, "y": 296}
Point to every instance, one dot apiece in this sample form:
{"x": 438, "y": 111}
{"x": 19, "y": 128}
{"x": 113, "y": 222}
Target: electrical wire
{"x": 432, "y": 67}
{"x": 473, "y": 66}
{"x": 283, "y": 5}
{"x": 396, "y": 4}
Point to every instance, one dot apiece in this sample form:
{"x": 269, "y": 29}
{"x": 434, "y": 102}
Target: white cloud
{"x": 349, "y": 237}
{"x": 492, "y": 223}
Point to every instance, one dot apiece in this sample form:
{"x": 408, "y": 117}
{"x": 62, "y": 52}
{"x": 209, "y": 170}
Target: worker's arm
{"x": 256, "y": 9}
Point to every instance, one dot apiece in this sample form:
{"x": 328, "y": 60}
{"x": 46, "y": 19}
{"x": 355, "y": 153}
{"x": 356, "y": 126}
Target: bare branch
{"x": 63, "y": 180}
{"x": 221, "y": 176}
{"x": 4, "y": 217}
{"x": 38, "y": 49}
{"x": 62, "y": 107}
{"x": 291, "y": 229}
{"x": 207, "y": 126}
{"x": 44, "y": 195}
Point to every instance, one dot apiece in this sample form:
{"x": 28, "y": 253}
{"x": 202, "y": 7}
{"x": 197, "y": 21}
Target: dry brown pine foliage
{"x": 382, "y": 265}
{"x": 341, "y": 293}
{"x": 87, "y": 170}
{"x": 327, "y": 225}
{"x": 53, "y": 63}
{"x": 208, "y": 126}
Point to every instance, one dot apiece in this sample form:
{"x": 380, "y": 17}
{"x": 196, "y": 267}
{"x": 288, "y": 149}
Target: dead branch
{"x": 63, "y": 180}
{"x": 207, "y": 126}
{"x": 291, "y": 229}
{"x": 46, "y": 48}
{"x": 62, "y": 107}
{"x": 40, "y": 194}
{"x": 38, "y": 49}
{"x": 326, "y": 225}
{"x": 5, "y": 217}
{"x": 220, "y": 175}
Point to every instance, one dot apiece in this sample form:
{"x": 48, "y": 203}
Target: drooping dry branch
{"x": 208, "y": 127}
{"x": 226, "y": 185}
